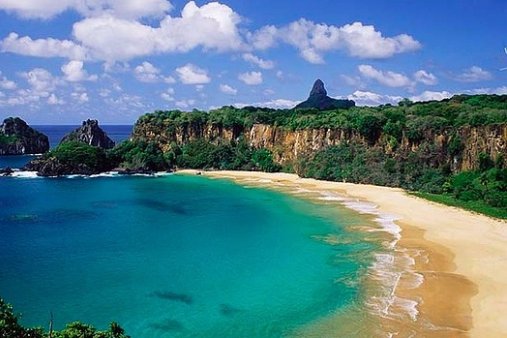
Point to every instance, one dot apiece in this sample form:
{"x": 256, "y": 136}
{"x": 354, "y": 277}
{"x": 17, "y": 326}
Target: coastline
{"x": 459, "y": 254}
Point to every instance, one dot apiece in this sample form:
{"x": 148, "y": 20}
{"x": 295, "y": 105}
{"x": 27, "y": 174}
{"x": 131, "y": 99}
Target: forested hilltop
{"x": 456, "y": 146}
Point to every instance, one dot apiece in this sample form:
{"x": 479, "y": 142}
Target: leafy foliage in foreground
{"x": 10, "y": 328}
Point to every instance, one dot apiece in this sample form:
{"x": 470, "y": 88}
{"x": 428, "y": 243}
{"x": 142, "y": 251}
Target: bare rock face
{"x": 17, "y": 138}
{"x": 91, "y": 134}
{"x": 318, "y": 99}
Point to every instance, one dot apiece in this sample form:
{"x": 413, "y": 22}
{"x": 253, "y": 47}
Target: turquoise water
{"x": 174, "y": 256}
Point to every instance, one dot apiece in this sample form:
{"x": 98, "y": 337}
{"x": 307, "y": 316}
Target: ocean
{"x": 180, "y": 256}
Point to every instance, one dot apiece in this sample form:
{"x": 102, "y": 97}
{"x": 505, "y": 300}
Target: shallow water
{"x": 176, "y": 256}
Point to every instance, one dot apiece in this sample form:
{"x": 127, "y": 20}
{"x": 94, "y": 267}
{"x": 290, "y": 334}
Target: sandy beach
{"x": 461, "y": 255}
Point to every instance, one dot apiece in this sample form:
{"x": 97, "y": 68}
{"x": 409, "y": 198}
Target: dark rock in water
{"x": 318, "y": 99}
{"x": 172, "y": 296}
{"x": 52, "y": 167}
{"x": 91, "y": 134}
{"x": 228, "y": 310}
{"x": 168, "y": 325}
{"x": 17, "y": 138}
{"x": 6, "y": 171}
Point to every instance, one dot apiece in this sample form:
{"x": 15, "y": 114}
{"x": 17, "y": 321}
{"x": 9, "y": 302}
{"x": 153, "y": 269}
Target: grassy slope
{"x": 476, "y": 206}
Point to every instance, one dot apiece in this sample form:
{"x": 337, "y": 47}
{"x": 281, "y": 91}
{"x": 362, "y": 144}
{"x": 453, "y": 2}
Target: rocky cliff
{"x": 91, "y": 134}
{"x": 288, "y": 146}
{"x": 17, "y": 138}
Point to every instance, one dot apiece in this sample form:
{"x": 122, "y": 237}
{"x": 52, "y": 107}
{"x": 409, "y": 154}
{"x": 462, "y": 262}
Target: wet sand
{"x": 460, "y": 258}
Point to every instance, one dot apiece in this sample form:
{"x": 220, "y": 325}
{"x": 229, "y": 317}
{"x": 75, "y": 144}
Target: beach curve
{"x": 464, "y": 264}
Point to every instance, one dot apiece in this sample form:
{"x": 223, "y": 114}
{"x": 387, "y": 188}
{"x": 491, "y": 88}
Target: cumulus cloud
{"x": 366, "y": 98}
{"x": 80, "y": 97}
{"x": 46, "y": 9}
{"x": 276, "y": 104}
{"x": 255, "y": 60}
{"x": 168, "y": 95}
{"x": 314, "y": 40}
{"x": 193, "y": 75}
{"x": 431, "y": 96}
{"x": 54, "y": 100}
{"x": 226, "y": 89}
{"x": 426, "y": 78}
{"x": 251, "y": 78}
{"x": 74, "y": 72}
{"x": 387, "y": 78}
{"x": 46, "y": 48}
{"x": 103, "y": 34}
{"x": 7, "y": 84}
{"x": 146, "y": 72}
{"x": 474, "y": 74}
{"x": 41, "y": 81}
{"x": 184, "y": 104}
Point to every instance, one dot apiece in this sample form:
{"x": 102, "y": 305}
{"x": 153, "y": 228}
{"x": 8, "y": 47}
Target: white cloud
{"x": 146, "y": 72}
{"x": 46, "y": 48}
{"x": 366, "y": 98}
{"x": 54, "y": 100}
{"x": 41, "y": 81}
{"x": 426, "y": 78}
{"x": 7, "y": 84}
{"x": 185, "y": 104}
{"x": 45, "y": 9}
{"x": 226, "y": 89}
{"x": 276, "y": 104}
{"x": 80, "y": 97}
{"x": 168, "y": 95}
{"x": 314, "y": 40}
{"x": 474, "y": 74}
{"x": 387, "y": 78}
{"x": 431, "y": 96}
{"x": 251, "y": 78}
{"x": 264, "y": 64}
{"x": 74, "y": 72}
{"x": 103, "y": 34}
{"x": 192, "y": 75}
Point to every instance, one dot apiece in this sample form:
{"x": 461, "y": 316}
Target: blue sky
{"x": 114, "y": 60}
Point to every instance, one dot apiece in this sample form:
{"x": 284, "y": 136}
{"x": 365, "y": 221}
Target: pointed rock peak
{"x": 319, "y": 100}
{"x": 318, "y": 89}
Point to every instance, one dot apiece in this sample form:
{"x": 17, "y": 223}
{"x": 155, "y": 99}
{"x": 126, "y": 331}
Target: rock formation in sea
{"x": 91, "y": 134}
{"x": 318, "y": 99}
{"x": 17, "y": 138}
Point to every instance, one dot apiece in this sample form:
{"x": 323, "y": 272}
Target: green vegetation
{"x": 476, "y": 206}
{"x": 415, "y": 118}
{"x": 7, "y": 139}
{"x": 76, "y": 153}
{"x": 202, "y": 154}
{"x": 139, "y": 155}
{"x": 484, "y": 190}
{"x": 10, "y": 327}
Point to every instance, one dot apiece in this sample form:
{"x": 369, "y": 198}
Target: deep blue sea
{"x": 176, "y": 256}
{"x": 55, "y": 134}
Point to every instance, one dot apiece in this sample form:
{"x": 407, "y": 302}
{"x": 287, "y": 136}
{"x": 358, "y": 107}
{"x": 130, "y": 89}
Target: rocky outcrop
{"x": 318, "y": 99}
{"x": 91, "y": 134}
{"x": 17, "y": 138}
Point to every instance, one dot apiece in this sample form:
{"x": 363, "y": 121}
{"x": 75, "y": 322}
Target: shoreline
{"x": 460, "y": 255}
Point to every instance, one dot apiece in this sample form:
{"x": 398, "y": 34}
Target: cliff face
{"x": 287, "y": 146}
{"x": 91, "y": 134}
{"x": 17, "y": 138}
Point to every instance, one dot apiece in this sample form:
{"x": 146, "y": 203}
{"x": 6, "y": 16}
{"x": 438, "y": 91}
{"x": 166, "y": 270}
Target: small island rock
{"x": 17, "y": 138}
{"x": 91, "y": 134}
